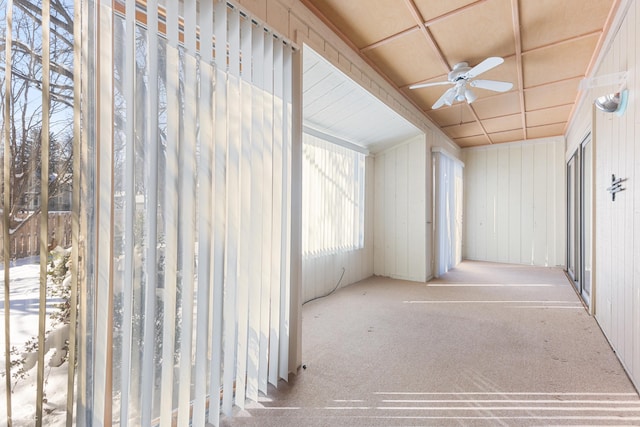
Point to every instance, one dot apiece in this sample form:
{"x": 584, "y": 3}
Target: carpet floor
{"x": 484, "y": 345}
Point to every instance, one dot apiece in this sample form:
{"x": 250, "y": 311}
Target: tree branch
{"x": 34, "y": 11}
{"x": 27, "y": 50}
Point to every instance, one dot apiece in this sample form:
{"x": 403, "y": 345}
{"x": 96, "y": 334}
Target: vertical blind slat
{"x": 86, "y": 293}
{"x": 255, "y": 298}
{"x": 205, "y": 220}
{"x": 267, "y": 210}
{"x": 186, "y": 228}
{"x": 325, "y": 203}
{"x": 286, "y": 217}
{"x": 245, "y": 212}
{"x": 232, "y": 229}
{"x": 151, "y": 204}
{"x": 220, "y": 33}
{"x": 276, "y": 224}
{"x": 205, "y": 229}
{"x": 44, "y": 206}
{"x": 102, "y": 391}
{"x": 170, "y": 216}
{"x": 127, "y": 279}
{"x": 75, "y": 210}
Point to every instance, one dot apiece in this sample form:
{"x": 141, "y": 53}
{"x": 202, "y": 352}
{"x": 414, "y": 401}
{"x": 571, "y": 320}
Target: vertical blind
{"x": 448, "y": 187}
{"x": 193, "y": 150}
{"x": 332, "y": 197}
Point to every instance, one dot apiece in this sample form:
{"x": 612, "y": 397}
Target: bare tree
{"x": 26, "y": 110}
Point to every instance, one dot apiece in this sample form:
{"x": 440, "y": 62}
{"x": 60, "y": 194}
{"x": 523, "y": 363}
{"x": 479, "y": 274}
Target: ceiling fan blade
{"x": 421, "y": 85}
{"x": 446, "y": 98}
{"x": 485, "y": 65}
{"x": 493, "y": 85}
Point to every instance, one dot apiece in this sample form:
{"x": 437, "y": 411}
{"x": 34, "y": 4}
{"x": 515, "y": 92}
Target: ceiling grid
{"x": 548, "y": 47}
{"x": 515, "y": 13}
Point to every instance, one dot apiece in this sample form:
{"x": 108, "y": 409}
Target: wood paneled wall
{"x": 617, "y": 224}
{"x": 400, "y": 230}
{"x": 320, "y": 275}
{"x": 515, "y": 202}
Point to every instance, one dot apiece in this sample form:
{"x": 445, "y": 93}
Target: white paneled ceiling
{"x": 335, "y": 105}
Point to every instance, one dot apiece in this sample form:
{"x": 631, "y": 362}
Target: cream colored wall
{"x": 400, "y": 224}
{"x": 514, "y": 203}
{"x": 617, "y": 224}
{"x": 403, "y": 213}
{"x": 320, "y": 275}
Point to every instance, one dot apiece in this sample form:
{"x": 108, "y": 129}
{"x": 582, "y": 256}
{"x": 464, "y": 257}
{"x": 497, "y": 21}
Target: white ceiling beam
{"x": 515, "y": 15}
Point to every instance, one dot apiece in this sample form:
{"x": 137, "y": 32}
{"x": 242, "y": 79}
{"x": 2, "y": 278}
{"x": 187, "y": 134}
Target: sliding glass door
{"x": 572, "y": 204}
{"x": 586, "y": 217}
{"x": 579, "y": 219}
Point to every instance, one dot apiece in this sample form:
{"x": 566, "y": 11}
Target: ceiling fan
{"x": 461, "y": 76}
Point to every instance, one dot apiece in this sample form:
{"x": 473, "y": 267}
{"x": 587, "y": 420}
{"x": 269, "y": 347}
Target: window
{"x": 333, "y": 197}
{"x": 181, "y": 180}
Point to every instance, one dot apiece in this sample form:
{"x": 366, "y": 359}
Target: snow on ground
{"x": 24, "y": 305}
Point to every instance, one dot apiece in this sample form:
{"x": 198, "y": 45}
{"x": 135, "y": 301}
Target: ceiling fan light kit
{"x": 460, "y": 75}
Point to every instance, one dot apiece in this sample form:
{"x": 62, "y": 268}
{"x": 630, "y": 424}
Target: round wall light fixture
{"x": 613, "y": 102}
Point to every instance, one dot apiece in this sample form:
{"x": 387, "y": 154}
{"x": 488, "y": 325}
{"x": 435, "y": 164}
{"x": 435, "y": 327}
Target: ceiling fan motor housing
{"x": 458, "y": 72}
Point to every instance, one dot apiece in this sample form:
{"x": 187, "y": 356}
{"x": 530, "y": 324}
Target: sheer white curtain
{"x": 193, "y": 183}
{"x": 448, "y": 209}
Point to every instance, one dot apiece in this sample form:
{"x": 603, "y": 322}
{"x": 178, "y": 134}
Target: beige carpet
{"x": 486, "y": 345}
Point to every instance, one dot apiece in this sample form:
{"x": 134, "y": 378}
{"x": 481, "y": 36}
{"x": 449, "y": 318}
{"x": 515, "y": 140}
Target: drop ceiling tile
{"x": 472, "y": 141}
{"x": 508, "y": 136}
{"x": 463, "y": 130}
{"x": 477, "y": 33}
{"x": 551, "y": 95}
{"x": 549, "y": 116}
{"x": 504, "y": 123}
{"x": 407, "y": 60}
{"x": 546, "y": 131}
{"x": 447, "y": 116}
{"x": 544, "y": 22}
{"x": 558, "y": 62}
{"x": 498, "y": 105}
{"x": 366, "y": 22}
{"x": 432, "y": 9}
